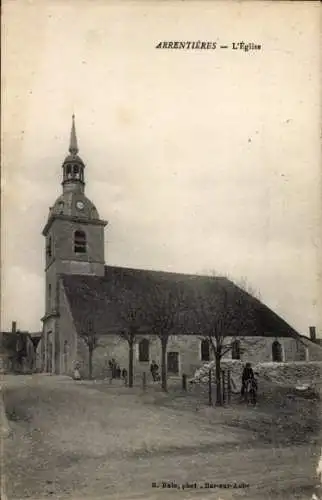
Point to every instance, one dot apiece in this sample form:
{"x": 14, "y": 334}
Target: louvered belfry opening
{"x": 79, "y": 242}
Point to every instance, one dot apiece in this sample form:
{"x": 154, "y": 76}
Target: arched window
{"x": 277, "y": 353}
{"x": 79, "y": 242}
{"x": 144, "y": 348}
{"x": 65, "y": 357}
{"x": 205, "y": 350}
{"x": 235, "y": 349}
{"x": 76, "y": 171}
{"x": 49, "y": 247}
{"x": 69, "y": 171}
{"x": 49, "y": 295}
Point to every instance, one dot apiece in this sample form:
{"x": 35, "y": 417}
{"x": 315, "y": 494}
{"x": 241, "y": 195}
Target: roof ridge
{"x": 174, "y": 273}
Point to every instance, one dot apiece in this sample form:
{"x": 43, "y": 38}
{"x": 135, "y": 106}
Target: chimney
{"x": 14, "y": 327}
{"x": 312, "y": 333}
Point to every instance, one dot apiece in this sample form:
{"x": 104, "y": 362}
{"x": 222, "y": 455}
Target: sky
{"x": 202, "y": 161}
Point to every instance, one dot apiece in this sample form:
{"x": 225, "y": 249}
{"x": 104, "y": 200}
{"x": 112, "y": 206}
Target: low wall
{"x": 284, "y": 374}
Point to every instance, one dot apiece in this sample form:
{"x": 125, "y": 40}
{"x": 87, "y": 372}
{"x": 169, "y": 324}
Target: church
{"x": 85, "y": 298}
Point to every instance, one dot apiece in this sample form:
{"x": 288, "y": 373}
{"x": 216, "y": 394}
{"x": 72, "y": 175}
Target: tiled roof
{"x": 105, "y": 303}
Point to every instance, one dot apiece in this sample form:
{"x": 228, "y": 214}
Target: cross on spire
{"x": 73, "y": 147}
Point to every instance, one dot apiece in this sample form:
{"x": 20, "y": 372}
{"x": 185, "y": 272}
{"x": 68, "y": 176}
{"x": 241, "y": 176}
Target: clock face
{"x": 80, "y": 205}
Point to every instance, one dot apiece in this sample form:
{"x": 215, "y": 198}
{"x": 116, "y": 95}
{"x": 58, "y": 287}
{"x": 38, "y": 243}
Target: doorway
{"x": 173, "y": 363}
{"x": 277, "y": 352}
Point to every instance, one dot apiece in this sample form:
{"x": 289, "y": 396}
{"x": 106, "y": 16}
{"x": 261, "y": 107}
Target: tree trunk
{"x": 218, "y": 379}
{"x": 90, "y": 363}
{"x": 131, "y": 356}
{"x": 209, "y": 388}
{"x": 164, "y": 364}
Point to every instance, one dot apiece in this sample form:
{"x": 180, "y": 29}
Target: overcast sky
{"x": 200, "y": 160}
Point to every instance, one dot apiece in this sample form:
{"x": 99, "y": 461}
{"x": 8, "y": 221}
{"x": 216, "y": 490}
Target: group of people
{"x": 116, "y": 372}
{"x": 248, "y": 377}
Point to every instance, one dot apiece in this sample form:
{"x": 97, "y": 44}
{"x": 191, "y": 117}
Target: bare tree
{"x": 164, "y": 308}
{"x": 130, "y": 335}
{"x": 222, "y": 311}
{"x": 152, "y": 310}
{"x": 132, "y": 315}
{"x": 91, "y": 341}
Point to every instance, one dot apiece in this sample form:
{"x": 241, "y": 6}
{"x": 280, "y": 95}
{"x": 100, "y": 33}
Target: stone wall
{"x": 188, "y": 349}
{"x": 40, "y": 355}
{"x": 112, "y": 346}
{"x": 68, "y": 340}
{"x": 63, "y": 232}
{"x": 314, "y": 350}
{"x": 288, "y": 374}
{"x": 259, "y": 349}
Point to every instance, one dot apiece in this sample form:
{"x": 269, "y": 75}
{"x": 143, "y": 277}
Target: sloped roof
{"x": 11, "y": 343}
{"x": 66, "y": 204}
{"x": 105, "y": 302}
{"x": 309, "y": 342}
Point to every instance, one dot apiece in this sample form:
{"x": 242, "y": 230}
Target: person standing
{"x": 113, "y": 367}
{"x": 110, "y": 366}
{"x": 76, "y": 374}
{"x": 124, "y": 375}
{"x": 247, "y": 375}
{"x": 154, "y": 371}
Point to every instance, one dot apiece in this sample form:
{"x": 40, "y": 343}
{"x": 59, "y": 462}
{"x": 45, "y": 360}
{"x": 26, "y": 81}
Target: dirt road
{"x": 82, "y": 441}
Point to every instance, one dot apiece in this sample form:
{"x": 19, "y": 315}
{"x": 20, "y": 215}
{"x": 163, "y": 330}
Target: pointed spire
{"x": 73, "y": 148}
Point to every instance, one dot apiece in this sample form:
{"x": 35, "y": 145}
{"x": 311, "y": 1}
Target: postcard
{"x": 161, "y": 329}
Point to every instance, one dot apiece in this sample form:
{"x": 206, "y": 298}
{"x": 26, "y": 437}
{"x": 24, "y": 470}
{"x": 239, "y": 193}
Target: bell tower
{"x": 73, "y": 166}
{"x": 74, "y": 236}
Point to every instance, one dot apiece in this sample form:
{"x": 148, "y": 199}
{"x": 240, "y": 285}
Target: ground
{"x": 86, "y": 440}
